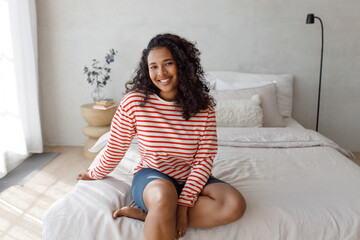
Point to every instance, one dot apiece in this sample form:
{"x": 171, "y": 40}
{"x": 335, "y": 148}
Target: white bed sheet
{"x": 291, "y": 193}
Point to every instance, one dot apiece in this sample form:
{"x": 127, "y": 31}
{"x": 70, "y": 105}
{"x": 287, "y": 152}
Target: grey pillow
{"x": 269, "y": 104}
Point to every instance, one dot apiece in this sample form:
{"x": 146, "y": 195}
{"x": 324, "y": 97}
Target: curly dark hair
{"x": 193, "y": 91}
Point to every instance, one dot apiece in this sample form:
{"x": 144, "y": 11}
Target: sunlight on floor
{"x": 15, "y": 223}
{"x": 23, "y": 207}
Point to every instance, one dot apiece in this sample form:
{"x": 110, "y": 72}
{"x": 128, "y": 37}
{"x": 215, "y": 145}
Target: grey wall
{"x": 258, "y": 36}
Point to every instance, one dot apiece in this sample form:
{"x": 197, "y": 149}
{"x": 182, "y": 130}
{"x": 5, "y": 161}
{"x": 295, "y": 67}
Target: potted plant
{"x": 99, "y": 74}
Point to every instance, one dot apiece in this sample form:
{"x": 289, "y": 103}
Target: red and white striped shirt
{"x": 183, "y": 150}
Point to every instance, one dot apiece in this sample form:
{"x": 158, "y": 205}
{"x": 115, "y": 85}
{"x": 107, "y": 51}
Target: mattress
{"x": 297, "y": 184}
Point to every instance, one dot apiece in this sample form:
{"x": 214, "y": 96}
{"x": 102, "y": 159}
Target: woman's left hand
{"x": 181, "y": 221}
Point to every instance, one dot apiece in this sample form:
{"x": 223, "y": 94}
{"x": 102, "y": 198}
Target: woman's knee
{"x": 234, "y": 206}
{"x": 160, "y": 194}
{"x": 231, "y": 204}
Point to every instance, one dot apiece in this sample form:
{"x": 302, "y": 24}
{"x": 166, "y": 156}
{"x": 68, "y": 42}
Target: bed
{"x": 298, "y": 184}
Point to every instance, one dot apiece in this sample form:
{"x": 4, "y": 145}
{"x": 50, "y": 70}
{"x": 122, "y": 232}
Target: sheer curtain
{"x": 20, "y": 128}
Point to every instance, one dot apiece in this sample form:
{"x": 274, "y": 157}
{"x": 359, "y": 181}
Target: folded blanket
{"x": 261, "y": 138}
{"x": 275, "y": 138}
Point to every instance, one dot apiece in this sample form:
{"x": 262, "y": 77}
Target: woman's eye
{"x": 169, "y": 63}
{"x": 153, "y": 67}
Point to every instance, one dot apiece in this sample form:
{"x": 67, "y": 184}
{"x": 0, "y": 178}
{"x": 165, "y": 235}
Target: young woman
{"x": 169, "y": 108}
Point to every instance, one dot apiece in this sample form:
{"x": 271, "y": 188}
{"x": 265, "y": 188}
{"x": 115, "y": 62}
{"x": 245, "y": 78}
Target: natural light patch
{"x": 38, "y": 209}
{"x": 4, "y": 224}
{"x": 30, "y": 201}
{"x": 20, "y": 197}
{"x": 18, "y": 232}
{"x": 41, "y": 182}
{"x": 17, "y": 210}
{"x": 31, "y": 204}
{"x": 12, "y": 140}
{"x": 17, "y": 223}
{"x": 59, "y": 189}
{"x": 49, "y": 186}
{"x": 5, "y": 40}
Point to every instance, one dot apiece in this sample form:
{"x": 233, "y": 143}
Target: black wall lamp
{"x": 310, "y": 19}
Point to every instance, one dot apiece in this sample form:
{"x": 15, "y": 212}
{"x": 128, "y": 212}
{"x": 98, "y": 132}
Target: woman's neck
{"x": 168, "y": 96}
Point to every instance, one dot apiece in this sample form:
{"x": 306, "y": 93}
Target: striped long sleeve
{"x": 202, "y": 165}
{"x": 122, "y": 131}
{"x": 182, "y": 149}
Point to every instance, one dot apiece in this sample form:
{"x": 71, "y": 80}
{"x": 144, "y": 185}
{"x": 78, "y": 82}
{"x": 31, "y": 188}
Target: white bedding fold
{"x": 275, "y": 138}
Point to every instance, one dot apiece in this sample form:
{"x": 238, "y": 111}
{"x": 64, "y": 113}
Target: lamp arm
{"x": 321, "y": 63}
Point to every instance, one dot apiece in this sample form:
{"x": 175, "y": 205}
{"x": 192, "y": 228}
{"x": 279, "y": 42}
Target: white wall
{"x": 243, "y": 35}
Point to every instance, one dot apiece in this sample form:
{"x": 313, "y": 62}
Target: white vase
{"x": 97, "y": 94}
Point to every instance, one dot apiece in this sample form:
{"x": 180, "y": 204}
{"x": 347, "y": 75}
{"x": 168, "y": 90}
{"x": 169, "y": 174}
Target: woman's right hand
{"x": 83, "y": 176}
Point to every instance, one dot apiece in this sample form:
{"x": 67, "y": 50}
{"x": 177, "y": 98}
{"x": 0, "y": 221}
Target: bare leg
{"x": 160, "y": 198}
{"x": 130, "y": 212}
{"x": 217, "y": 204}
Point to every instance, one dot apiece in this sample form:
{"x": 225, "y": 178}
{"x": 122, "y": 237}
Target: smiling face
{"x": 163, "y": 72}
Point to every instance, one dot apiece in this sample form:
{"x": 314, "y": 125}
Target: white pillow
{"x": 211, "y": 80}
{"x": 222, "y": 85}
{"x": 97, "y": 159}
{"x": 239, "y": 113}
{"x": 100, "y": 143}
{"x": 229, "y": 80}
{"x": 269, "y": 105}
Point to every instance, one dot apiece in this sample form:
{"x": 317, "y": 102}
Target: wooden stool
{"x": 99, "y": 123}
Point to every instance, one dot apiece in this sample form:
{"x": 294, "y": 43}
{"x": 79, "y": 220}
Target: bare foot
{"x": 131, "y": 212}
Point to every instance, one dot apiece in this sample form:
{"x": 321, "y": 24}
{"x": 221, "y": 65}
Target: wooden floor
{"x": 22, "y": 207}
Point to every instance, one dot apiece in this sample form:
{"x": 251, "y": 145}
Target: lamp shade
{"x": 310, "y": 18}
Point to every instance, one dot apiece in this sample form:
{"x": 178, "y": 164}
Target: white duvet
{"x": 297, "y": 184}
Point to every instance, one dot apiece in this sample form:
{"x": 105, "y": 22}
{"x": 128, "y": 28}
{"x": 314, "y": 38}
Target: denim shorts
{"x": 143, "y": 177}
